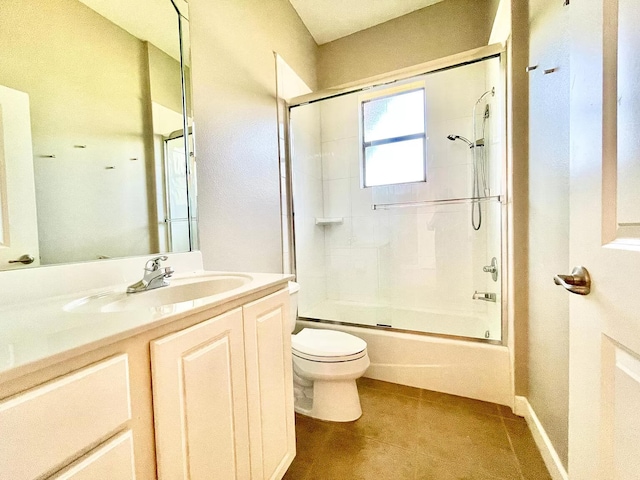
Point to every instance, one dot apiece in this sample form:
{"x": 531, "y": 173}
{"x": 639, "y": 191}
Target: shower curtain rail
{"x": 447, "y": 201}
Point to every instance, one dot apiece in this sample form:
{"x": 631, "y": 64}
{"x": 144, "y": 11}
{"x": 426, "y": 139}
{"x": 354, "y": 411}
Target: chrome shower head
{"x": 453, "y": 138}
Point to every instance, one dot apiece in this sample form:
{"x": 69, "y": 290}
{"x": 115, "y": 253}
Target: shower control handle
{"x": 492, "y": 269}
{"x": 579, "y": 282}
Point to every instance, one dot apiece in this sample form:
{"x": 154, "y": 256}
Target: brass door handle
{"x": 26, "y": 259}
{"x": 579, "y": 282}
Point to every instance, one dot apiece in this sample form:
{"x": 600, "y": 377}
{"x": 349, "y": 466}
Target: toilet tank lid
{"x": 326, "y": 343}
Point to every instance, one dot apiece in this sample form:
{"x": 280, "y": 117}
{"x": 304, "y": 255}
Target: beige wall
{"x": 164, "y": 79}
{"x": 548, "y": 341}
{"x": 234, "y": 80}
{"x": 493, "y": 8}
{"x": 433, "y": 32}
{"x": 540, "y": 151}
{"x": 518, "y": 135}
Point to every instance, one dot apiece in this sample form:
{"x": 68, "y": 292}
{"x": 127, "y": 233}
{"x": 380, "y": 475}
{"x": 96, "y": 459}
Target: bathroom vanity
{"x": 105, "y": 385}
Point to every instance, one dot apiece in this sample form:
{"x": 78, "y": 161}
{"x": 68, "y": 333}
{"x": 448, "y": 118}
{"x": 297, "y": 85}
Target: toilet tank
{"x": 294, "y": 288}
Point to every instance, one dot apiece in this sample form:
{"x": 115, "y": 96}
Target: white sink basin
{"x": 179, "y": 291}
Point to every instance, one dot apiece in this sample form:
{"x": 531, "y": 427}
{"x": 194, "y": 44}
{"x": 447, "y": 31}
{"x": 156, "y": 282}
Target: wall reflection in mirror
{"x": 93, "y": 161}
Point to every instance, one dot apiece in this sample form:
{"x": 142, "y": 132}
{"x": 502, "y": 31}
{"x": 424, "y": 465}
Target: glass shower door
{"x": 424, "y": 256}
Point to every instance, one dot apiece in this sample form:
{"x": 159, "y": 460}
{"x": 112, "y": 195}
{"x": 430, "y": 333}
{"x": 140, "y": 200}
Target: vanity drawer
{"x": 111, "y": 461}
{"x": 51, "y": 425}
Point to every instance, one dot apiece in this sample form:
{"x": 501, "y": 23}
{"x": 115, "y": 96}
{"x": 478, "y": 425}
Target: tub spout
{"x": 485, "y": 296}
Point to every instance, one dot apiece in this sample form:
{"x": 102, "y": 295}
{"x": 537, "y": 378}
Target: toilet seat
{"x": 320, "y": 345}
{"x": 326, "y": 359}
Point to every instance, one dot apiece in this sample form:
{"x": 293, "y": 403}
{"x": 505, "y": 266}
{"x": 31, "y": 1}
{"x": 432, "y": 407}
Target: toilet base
{"x": 333, "y": 400}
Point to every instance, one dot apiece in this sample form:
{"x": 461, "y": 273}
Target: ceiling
{"x": 328, "y": 20}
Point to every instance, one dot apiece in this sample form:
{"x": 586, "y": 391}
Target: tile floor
{"x": 409, "y": 433}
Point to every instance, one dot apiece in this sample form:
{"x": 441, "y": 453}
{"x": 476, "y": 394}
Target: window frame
{"x": 380, "y": 94}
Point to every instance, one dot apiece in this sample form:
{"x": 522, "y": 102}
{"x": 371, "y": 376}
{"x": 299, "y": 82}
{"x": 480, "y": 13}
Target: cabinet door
{"x": 269, "y": 385}
{"x": 200, "y": 402}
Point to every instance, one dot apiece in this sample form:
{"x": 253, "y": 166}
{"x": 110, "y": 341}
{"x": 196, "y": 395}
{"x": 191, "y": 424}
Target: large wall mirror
{"x": 94, "y": 107}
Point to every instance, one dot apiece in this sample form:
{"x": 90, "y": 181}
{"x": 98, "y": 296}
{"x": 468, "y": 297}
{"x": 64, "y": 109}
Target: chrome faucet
{"x": 155, "y": 276}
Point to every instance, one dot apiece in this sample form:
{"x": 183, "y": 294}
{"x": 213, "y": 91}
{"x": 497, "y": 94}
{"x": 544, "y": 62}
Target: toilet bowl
{"x": 326, "y": 364}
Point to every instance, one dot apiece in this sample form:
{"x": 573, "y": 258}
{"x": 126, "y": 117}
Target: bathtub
{"x": 462, "y": 367}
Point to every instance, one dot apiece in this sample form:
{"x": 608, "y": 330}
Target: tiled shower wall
{"x": 426, "y": 257}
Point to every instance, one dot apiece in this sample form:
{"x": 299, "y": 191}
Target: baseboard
{"x": 551, "y": 459}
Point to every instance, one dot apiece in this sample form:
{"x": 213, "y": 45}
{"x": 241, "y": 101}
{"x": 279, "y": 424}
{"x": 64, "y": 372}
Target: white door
{"x": 604, "y": 405}
{"x": 18, "y": 221}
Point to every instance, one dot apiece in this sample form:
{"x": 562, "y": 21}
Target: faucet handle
{"x": 154, "y": 264}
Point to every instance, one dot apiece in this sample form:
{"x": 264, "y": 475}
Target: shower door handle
{"x": 579, "y": 282}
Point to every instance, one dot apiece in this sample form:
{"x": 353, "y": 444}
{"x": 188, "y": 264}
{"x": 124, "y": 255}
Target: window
{"x": 393, "y": 135}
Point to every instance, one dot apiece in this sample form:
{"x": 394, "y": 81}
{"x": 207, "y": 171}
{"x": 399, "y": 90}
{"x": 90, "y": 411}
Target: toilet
{"x": 326, "y": 364}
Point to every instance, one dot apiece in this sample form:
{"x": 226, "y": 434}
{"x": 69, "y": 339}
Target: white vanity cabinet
{"x": 200, "y": 393}
{"x": 223, "y": 395}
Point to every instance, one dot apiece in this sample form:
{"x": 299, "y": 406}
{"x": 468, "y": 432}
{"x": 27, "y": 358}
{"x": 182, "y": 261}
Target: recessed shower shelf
{"x": 329, "y": 221}
{"x": 448, "y": 201}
